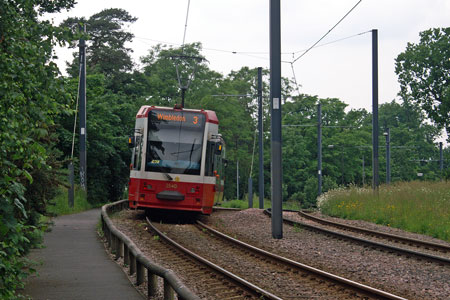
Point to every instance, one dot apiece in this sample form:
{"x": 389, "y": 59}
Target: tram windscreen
{"x": 175, "y": 140}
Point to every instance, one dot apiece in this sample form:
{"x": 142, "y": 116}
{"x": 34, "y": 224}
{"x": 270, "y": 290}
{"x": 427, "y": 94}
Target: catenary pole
{"x": 260, "y": 141}
{"x": 375, "y": 163}
{"x": 319, "y": 149}
{"x": 388, "y": 156}
{"x": 237, "y": 179}
{"x": 275, "y": 99}
{"x": 70, "y": 191}
{"x": 250, "y": 192}
{"x": 82, "y": 108}
{"x": 441, "y": 160}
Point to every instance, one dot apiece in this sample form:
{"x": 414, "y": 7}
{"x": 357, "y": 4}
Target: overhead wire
{"x": 335, "y": 25}
{"x": 249, "y": 53}
{"x": 185, "y": 24}
{"x": 335, "y": 41}
{"x": 295, "y": 78}
{"x": 76, "y": 114}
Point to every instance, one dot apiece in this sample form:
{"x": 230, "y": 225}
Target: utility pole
{"x": 260, "y": 141}
{"x": 375, "y": 164}
{"x": 275, "y": 99}
{"x": 319, "y": 149}
{"x": 82, "y": 97}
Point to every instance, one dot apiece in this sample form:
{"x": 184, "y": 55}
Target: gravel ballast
{"x": 400, "y": 275}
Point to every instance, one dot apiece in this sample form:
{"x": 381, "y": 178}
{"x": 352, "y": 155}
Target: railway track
{"x": 377, "y": 240}
{"x": 424, "y": 245}
{"x": 210, "y": 277}
{"x": 281, "y": 278}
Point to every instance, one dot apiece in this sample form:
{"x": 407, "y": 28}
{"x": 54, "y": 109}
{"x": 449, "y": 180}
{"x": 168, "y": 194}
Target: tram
{"x": 178, "y": 159}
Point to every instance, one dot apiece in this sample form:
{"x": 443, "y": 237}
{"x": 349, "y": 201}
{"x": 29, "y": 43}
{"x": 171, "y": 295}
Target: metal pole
{"x": 441, "y": 160}
{"x": 261, "y": 150}
{"x": 82, "y": 97}
{"x": 183, "y": 92}
{"x": 319, "y": 149}
{"x": 363, "y": 171}
{"x": 342, "y": 166}
{"x": 250, "y": 192}
{"x": 275, "y": 99}
{"x": 71, "y": 183}
{"x": 375, "y": 163}
{"x": 388, "y": 156}
{"x": 237, "y": 180}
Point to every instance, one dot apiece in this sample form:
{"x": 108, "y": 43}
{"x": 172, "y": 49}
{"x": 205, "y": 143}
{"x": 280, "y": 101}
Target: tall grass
{"x": 61, "y": 206}
{"x": 421, "y": 207}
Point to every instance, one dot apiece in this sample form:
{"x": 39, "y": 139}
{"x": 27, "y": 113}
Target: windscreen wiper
{"x": 167, "y": 175}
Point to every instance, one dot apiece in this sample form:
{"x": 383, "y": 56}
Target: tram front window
{"x": 174, "y": 142}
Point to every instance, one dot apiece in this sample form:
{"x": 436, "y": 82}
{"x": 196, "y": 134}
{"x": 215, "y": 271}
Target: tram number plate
{"x": 171, "y": 186}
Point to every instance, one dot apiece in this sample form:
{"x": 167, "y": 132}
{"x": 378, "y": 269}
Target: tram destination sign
{"x": 187, "y": 118}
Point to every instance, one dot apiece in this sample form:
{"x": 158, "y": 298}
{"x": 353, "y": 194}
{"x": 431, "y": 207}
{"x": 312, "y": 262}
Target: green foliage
{"x": 243, "y": 204}
{"x": 110, "y": 121}
{"x": 422, "y": 207}
{"x": 37, "y": 111}
{"x": 106, "y": 43}
{"x": 29, "y": 88}
{"x": 423, "y": 73}
{"x": 60, "y": 205}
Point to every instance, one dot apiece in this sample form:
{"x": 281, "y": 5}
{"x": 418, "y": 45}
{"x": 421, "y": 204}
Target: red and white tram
{"x": 177, "y": 160}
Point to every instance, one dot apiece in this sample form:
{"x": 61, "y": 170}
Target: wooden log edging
{"x": 138, "y": 262}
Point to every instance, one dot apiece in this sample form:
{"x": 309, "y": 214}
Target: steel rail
{"x": 138, "y": 262}
{"x": 218, "y": 208}
{"x": 435, "y": 258}
{"x": 437, "y": 246}
{"x": 347, "y": 282}
{"x": 235, "y": 278}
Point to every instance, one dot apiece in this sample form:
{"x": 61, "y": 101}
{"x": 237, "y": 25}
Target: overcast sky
{"x": 339, "y": 70}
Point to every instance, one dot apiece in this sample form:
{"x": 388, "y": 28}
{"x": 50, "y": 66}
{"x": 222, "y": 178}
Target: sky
{"x": 340, "y": 69}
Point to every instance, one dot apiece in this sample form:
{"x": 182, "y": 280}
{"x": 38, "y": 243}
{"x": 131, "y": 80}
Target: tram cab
{"x": 177, "y": 160}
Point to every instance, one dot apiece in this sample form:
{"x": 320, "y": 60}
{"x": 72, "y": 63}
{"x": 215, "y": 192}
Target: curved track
{"x": 390, "y": 237}
{"x": 225, "y": 284}
{"x": 372, "y": 243}
{"x": 290, "y": 279}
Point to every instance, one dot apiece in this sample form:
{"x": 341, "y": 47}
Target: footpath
{"x": 74, "y": 264}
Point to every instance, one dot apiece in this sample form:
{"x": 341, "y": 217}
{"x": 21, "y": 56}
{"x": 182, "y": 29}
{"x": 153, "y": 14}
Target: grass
{"x": 419, "y": 206}
{"x": 61, "y": 206}
{"x": 243, "y": 204}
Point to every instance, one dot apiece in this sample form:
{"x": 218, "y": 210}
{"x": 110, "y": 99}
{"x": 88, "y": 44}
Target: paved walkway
{"x": 75, "y": 264}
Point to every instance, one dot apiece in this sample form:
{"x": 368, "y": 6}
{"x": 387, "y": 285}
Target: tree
{"x": 29, "y": 88}
{"x": 423, "y": 71}
{"x": 106, "y": 41}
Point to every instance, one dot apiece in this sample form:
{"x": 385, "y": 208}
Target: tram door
{"x": 215, "y": 158}
{"x": 220, "y": 175}
{"x": 136, "y": 144}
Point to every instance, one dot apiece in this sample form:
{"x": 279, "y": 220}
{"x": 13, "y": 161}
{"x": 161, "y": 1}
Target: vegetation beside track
{"x": 243, "y": 204}
{"x": 418, "y": 206}
{"x": 60, "y": 204}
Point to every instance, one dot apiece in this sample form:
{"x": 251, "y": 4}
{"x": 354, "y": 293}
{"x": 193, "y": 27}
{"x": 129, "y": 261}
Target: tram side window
{"x": 137, "y": 154}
